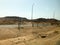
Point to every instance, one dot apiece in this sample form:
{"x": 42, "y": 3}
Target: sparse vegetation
{"x": 56, "y": 32}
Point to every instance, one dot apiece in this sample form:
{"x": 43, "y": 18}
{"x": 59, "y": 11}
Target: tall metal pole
{"x": 32, "y": 14}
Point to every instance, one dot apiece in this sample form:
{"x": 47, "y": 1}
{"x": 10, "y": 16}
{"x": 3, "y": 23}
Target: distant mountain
{"x": 15, "y": 18}
{"x": 50, "y": 21}
{"x": 45, "y": 20}
{"x": 12, "y": 20}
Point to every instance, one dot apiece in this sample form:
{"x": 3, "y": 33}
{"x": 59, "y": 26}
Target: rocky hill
{"x": 12, "y": 20}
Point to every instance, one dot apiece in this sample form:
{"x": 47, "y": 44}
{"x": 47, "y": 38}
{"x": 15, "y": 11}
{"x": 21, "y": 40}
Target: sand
{"x": 30, "y": 36}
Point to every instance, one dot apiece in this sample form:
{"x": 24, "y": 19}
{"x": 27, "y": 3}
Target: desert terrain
{"x": 14, "y": 31}
{"x": 47, "y": 35}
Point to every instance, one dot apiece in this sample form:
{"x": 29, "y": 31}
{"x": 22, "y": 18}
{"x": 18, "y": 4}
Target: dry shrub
{"x": 56, "y": 32}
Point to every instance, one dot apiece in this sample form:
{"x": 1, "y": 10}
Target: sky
{"x": 23, "y": 8}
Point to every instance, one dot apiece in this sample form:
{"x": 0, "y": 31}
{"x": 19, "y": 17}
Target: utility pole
{"x": 32, "y": 15}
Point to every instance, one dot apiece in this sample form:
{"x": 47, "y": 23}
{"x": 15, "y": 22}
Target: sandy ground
{"x": 29, "y": 35}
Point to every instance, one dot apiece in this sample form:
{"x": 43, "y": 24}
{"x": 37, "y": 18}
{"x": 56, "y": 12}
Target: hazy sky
{"x": 23, "y": 8}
